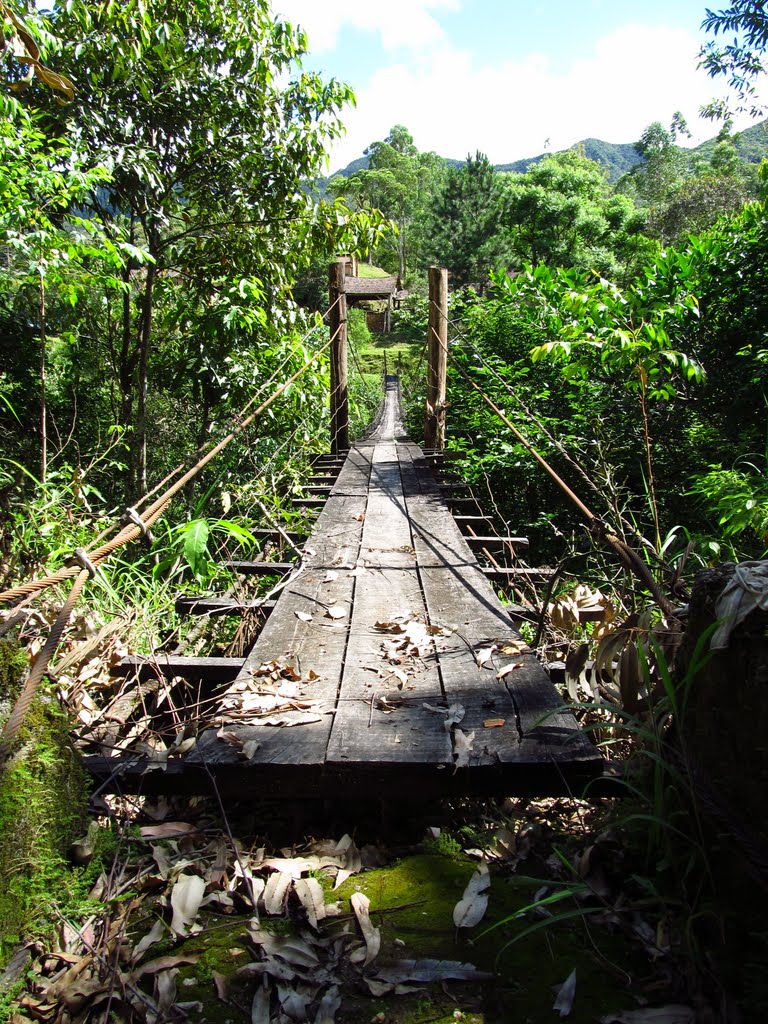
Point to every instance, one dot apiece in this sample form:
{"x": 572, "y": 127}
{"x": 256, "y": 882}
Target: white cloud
{"x": 407, "y": 23}
{"x": 635, "y": 75}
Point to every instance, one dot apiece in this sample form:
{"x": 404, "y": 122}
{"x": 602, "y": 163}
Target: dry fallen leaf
{"x": 484, "y": 656}
{"x": 471, "y": 908}
{"x": 502, "y": 673}
{"x": 361, "y": 904}
{"x": 336, "y": 611}
{"x": 186, "y": 897}
{"x": 565, "y": 995}
{"x": 310, "y": 894}
{"x": 276, "y": 892}
{"x": 168, "y": 830}
{"x": 462, "y": 747}
{"x": 303, "y": 616}
{"x": 494, "y": 723}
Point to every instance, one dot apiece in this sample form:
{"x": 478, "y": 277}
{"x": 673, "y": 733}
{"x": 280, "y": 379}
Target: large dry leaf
{"x": 329, "y": 1004}
{"x": 471, "y": 908}
{"x": 505, "y": 671}
{"x": 276, "y": 892}
{"x": 372, "y": 936}
{"x": 566, "y": 995}
{"x": 155, "y": 934}
{"x": 165, "y": 991}
{"x": 293, "y": 866}
{"x": 294, "y": 950}
{"x": 168, "y": 830}
{"x": 310, "y": 894}
{"x": 260, "y": 1005}
{"x": 350, "y": 857}
{"x": 186, "y": 897}
{"x": 162, "y": 963}
{"x": 430, "y": 970}
{"x": 462, "y": 747}
{"x": 293, "y": 1001}
{"x": 670, "y": 1014}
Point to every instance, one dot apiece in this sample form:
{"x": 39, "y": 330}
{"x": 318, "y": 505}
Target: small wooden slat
{"x": 260, "y": 568}
{"x": 494, "y": 543}
{"x": 320, "y": 490}
{"x": 212, "y": 670}
{"x": 470, "y": 521}
{"x": 309, "y": 503}
{"x": 508, "y": 574}
{"x": 221, "y": 606}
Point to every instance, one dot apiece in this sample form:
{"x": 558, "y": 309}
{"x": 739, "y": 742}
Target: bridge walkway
{"x": 388, "y": 666}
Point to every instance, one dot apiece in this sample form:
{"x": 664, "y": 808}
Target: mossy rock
{"x": 43, "y": 805}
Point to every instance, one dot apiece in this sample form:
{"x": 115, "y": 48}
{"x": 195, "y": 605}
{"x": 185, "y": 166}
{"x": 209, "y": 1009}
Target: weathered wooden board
{"x": 301, "y": 636}
{"x": 535, "y": 732}
{"x": 381, "y": 716}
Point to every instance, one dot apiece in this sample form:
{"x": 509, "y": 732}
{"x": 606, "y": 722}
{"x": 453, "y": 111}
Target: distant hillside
{"x": 619, "y": 157}
{"x": 751, "y": 144}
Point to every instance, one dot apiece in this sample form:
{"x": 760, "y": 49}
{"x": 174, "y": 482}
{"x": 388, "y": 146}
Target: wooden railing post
{"x": 437, "y": 359}
{"x": 338, "y": 325}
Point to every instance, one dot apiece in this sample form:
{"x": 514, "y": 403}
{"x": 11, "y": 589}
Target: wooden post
{"x": 338, "y": 324}
{"x": 437, "y": 358}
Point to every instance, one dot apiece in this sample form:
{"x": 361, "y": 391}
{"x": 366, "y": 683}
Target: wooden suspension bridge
{"x": 386, "y": 667}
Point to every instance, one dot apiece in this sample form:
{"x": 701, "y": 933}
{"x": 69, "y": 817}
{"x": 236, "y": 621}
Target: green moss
{"x": 422, "y": 892}
{"x": 43, "y": 803}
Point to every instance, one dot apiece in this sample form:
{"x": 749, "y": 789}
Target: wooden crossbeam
{"x": 212, "y": 670}
{"x": 261, "y": 568}
{"x": 221, "y": 606}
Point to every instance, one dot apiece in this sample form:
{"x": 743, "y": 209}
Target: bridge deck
{"x": 388, "y": 666}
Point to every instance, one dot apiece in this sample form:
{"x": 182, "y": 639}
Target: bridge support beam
{"x": 437, "y": 359}
{"x": 339, "y": 374}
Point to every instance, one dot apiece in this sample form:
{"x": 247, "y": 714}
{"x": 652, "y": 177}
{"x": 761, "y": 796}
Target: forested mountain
{"x": 619, "y": 157}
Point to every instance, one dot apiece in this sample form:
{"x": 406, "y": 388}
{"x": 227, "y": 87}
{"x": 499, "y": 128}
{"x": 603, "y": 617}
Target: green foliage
{"x": 462, "y": 222}
{"x": 442, "y": 845}
{"x": 738, "y": 500}
{"x": 740, "y": 62}
{"x": 562, "y": 212}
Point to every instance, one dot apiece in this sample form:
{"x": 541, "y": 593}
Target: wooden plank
{"x": 494, "y": 543}
{"x": 212, "y": 670}
{"x": 381, "y": 716}
{"x": 471, "y": 521}
{"x": 509, "y": 573}
{"x": 221, "y": 606}
{"x": 260, "y": 568}
{"x": 458, "y": 594}
{"x": 310, "y": 503}
{"x": 314, "y": 647}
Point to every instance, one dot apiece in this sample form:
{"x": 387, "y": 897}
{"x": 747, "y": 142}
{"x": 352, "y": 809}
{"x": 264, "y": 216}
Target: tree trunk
{"x": 144, "y": 339}
{"x": 43, "y": 399}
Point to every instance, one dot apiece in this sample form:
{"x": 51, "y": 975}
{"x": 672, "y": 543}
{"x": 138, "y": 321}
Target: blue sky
{"x": 508, "y": 77}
